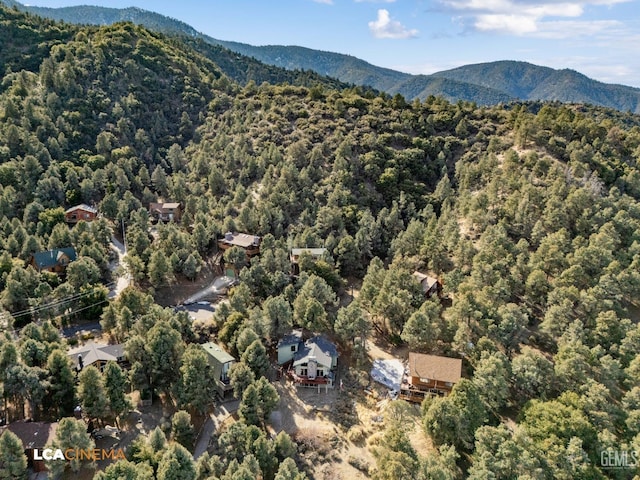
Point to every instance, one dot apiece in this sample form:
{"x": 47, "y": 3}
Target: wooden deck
{"x": 306, "y": 381}
{"x": 415, "y": 395}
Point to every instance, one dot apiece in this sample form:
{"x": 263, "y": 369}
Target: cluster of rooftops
{"x": 307, "y": 362}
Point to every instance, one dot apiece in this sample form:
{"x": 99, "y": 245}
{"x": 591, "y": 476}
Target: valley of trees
{"x": 528, "y": 213}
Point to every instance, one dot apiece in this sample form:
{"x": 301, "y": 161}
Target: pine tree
{"x": 176, "y": 464}
{"x": 241, "y": 377}
{"x": 115, "y": 383}
{"x": 196, "y": 385}
{"x": 92, "y": 393}
{"x": 71, "y": 433}
{"x": 182, "y": 429}
{"x": 255, "y": 357}
{"x": 61, "y": 392}
{"x": 249, "y": 409}
{"x": 13, "y": 461}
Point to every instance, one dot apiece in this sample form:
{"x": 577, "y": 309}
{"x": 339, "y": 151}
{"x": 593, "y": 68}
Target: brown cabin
{"x": 55, "y": 261}
{"x": 166, "y": 211}
{"x": 430, "y": 285}
{"x": 80, "y": 212}
{"x": 249, "y": 243}
{"x": 429, "y": 375}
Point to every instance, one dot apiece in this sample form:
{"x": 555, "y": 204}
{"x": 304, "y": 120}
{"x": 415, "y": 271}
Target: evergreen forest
{"x": 528, "y": 213}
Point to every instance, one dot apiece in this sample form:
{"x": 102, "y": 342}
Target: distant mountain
{"x": 526, "y": 81}
{"x": 92, "y": 15}
{"x": 344, "y": 67}
{"x": 485, "y": 83}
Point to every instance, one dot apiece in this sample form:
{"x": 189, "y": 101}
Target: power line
{"x": 55, "y": 303}
{"x": 81, "y": 309}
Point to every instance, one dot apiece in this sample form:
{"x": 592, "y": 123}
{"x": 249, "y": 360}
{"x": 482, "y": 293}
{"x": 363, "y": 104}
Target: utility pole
{"x": 124, "y": 239}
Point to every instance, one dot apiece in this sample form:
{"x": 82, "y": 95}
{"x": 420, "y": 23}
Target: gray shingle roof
{"x": 318, "y": 348}
{"x": 95, "y": 352}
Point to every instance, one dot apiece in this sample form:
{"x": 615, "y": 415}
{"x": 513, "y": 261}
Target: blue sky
{"x": 600, "y": 38}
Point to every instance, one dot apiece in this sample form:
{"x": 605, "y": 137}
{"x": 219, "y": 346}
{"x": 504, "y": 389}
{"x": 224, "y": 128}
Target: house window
{"x": 424, "y": 380}
{"x": 293, "y": 348}
{"x": 303, "y": 372}
{"x": 320, "y": 373}
{"x": 448, "y": 384}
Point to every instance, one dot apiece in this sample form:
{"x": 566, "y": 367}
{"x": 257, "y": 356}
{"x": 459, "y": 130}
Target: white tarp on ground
{"x": 388, "y": 373}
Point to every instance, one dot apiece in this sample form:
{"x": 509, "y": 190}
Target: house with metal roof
{"x": 220, "y": 361}
{"x": 249, "y": 243}
{"x": 56, "y": 260}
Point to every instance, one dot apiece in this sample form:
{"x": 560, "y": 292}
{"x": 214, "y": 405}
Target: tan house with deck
{"x": 429, "y": 375}
{"x": 249, "y": 243}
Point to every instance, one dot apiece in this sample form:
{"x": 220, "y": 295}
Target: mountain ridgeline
{"x": 484, "y": 84}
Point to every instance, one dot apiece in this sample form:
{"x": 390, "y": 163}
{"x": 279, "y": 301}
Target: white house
{"x": 315, "y": 362}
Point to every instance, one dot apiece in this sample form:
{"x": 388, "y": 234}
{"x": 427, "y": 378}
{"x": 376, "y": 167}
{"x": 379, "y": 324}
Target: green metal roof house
{"x": 221, "y": 362}
{"x": 55, "y": 260}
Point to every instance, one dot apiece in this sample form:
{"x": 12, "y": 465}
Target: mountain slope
{"x": 344, "y": 67}
{"x": 517, "y": 79}
{"x": 526, "y": 81}
{"x": 422, "y": 86}
{"x": 239, "y": 68}
{"x": 485, "y": 83}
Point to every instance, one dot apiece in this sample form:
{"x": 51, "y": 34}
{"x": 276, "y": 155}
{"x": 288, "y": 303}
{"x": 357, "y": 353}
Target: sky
{"x": 599, "y": 38}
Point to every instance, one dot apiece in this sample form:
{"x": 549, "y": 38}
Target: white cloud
{"x": 375, "y": 1}
{"x": 528, "y": 17}
{"x": 385, "y": 27}
{"x": 514, "y": 24}
{"x": 576, "y": 28}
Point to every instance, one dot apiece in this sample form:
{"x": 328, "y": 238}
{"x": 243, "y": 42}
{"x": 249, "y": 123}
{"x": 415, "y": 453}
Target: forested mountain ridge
{"x": 525, "y": 81}
{"x": 484, "y": 84}
{"x": 237, "y": 67}
{"x": 528, "y": 213}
